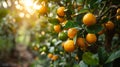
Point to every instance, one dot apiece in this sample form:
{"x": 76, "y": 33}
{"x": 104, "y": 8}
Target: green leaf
{"x": 108, "y": 65}
{"x": 58, "y": 42}
{"x": 113, "y": 56}
{"x": 82, "y": 64}
{"x": 53, "y": 21}
{"x": 104, "y": 20}
{"x": 98, "y": 1}
{"x": 80, "y": 1}
{"x": 76, "y": 65}
{"x": 32, "y": 65}
{"x": 56, "y": 63}
{"x": 3, "y": 13}
{"x": 94, "y": 4}
{"x": 103, "y": 55}
{"x": 94, "y": 28}
{"x": 51, "y": 49}
{"x": 79, "y": 18}
{"x": 84, "y": 10}
{"x": 70, "y": 24}
{"x": 90, "y": 59}
{"x": 75, "y": 38}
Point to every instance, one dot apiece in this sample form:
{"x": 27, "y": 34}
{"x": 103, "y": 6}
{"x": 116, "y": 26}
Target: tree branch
{"x": 103, "y": 8}
{"x": 113, "y": 6}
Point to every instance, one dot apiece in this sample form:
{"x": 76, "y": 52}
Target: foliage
{"x": 36, "y": 30}
{"x": 100, "y": 53}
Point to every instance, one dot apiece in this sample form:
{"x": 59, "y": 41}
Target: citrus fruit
{"x": 69, "y": 46}
{"x": 54, "y": 57}
{"x": 43, "y": 3}
{"x": 91, "y": 38}
{"x": 43, "y": 10}
{"x": 57, "y": 28}
{"x": 81, "y": 42}
{"x": 118, "y": 17}
{"x": 72, "y": 32}
{"x": 62, "y": 36}
{"x": 60, "y": 11}
{"x": 109, "y": 25}
{"x": 118, "y": 11}
{"x": 50, "y": 55}
{"x": 89, "y": 19}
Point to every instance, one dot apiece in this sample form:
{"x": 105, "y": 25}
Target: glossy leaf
{"x": 76, "y": 65}
{"x": 53, "y": 21}
{"x": 75, "y": 38}
{"x": 79, "y": 18}
{"x": 90, "y": 58}
{"x": 82, "y": 64}
{"x": 102, "y": 55}
{"x": 113, "y": 56}
{"x": 70, "y": 24}
{"x": 108, "y": 65}
{"x": 94, "y": 28}
{"x": 104, "y": 20}
{"x": 85, "y": 10}
{"x": 51, "y": 49}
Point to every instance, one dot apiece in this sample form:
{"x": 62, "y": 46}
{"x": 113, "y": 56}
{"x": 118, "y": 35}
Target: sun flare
{"x": 28, "y": 3}
{"x": 30, "y": 6}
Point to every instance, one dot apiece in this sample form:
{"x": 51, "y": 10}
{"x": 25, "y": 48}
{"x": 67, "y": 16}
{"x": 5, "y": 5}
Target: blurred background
{"x": 22, "y": 32}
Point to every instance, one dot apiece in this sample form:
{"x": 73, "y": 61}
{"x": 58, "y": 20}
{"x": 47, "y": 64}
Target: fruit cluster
{"x": 67, "y": 35}
{"x": 82, "y": 33}
{"x": 118, "y": 14}
{"x": 52, "y": 57}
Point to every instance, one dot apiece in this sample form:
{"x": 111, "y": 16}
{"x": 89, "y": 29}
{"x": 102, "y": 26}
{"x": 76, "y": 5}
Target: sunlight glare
{"x": 9, "y": 3}
{"x": 21, "y": 15}
{"x": 30, "y": 6}
{"x": 4, "y": 4}
{"x": 18, "y": 7}
{"x": 27, "y": 15}
{"x": 16, "y": 2}
{"x": 36, "y": 6}
{"x": 28, "y": 3}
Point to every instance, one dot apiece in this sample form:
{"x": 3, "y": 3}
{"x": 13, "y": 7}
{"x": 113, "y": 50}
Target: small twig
{"x": 103, "y": 8}
{"x": 113, "y": 16}
{"x": 74, "y": 15}
{"x": 83, "y": 3}
{"x": 113, "y": 6}
{"x": 58, "y": 2}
